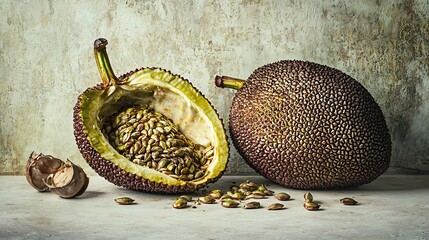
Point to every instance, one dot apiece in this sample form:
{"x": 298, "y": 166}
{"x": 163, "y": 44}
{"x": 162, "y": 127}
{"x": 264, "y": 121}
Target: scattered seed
{"x": 282, "y": 196}
{"x": 229, "y": 204}
{"x": 186, "y": 197}
{"x": 348, "y": 201}
{"x": 311, "y": 206}
{"x": 262, "y": 187}
{"x": 275, "y": 206}
{"x": 255, "y": 196}
{"x": 124, "y": 201}
{"x": 215, "y": 194}
{"x": 225, "y": 197}
{"x": 238, "y": 196}
{"x": 308, "y": 197}
{"x": 251, "y": 185}
{"x": 252, "y": 205}
{"x": 206, "y": 200}
{"x": 268, "y": 192}
{"x": 180, "y": 203}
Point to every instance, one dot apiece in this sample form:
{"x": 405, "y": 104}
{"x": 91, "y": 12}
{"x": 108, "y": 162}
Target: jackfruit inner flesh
{"x": 144, "y": 88}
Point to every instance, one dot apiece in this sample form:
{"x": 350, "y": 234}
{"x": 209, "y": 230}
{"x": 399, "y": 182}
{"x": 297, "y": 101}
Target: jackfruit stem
{"x": 229, "y": 82}
{"x": 103, "y": 64}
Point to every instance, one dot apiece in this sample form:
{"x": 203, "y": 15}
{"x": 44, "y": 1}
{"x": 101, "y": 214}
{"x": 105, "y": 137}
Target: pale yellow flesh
{"x": 169, "y": 95}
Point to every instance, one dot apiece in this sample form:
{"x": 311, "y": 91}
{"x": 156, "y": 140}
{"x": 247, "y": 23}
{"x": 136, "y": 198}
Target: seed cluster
{"x": 248, "y": 193}
{"x": 149, "y": 139}
{"x": 307, "y": 126}
{"x": 234, "y": 196}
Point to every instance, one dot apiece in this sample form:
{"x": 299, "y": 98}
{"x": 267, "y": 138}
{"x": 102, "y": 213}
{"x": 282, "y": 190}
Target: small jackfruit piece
{"x": 111, "y": 124}
{"x": 308, "y": 126}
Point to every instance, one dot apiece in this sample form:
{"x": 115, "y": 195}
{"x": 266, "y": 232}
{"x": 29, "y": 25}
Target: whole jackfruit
{"x": 308, "y": 126}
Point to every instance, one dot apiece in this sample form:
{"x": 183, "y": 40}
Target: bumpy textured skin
{"x": 307, "y": 126}
{"x": 110, "y": 171}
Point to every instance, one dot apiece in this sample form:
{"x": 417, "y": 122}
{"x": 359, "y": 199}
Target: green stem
{"x": 229, "y": 82}
{"x": 103, "y": 64}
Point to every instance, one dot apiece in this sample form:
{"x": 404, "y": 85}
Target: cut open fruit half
{"x": 149, "y": 130}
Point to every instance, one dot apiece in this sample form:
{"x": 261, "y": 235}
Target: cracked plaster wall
{"x": 46, "y": 60}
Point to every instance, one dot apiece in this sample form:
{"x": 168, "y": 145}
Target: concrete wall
{"x": 46, "y": 60}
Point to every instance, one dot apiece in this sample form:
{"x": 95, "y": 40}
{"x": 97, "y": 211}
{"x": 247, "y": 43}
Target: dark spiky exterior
{"x": 113, "y": 173}
{"x": 308, "y": 126}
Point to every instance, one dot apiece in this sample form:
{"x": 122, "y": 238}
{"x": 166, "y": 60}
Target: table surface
{"x": 391, "y": 207}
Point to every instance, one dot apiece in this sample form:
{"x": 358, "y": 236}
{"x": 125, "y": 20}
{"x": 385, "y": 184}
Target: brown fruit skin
{"x": 307, "y": 126}
{"x": 38, "y": 168}
{"x": 114, "y": 174}
{"x": 76, "y": 187}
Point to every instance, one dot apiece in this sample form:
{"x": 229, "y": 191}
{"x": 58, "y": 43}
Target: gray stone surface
{"x": 391, "y": 207}
{"x": 46, "y": 60}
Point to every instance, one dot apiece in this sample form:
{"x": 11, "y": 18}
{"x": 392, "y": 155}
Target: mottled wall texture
{"x": 46, "y": 60}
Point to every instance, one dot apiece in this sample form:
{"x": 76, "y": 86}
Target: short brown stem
{"x": 229, "y": 82}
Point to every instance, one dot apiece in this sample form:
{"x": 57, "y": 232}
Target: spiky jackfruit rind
{"x": 308, "y": 126}
{"x": 108, "y": 163}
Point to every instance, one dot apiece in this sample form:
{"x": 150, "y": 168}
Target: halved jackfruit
{"x": 149, "y": 115}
